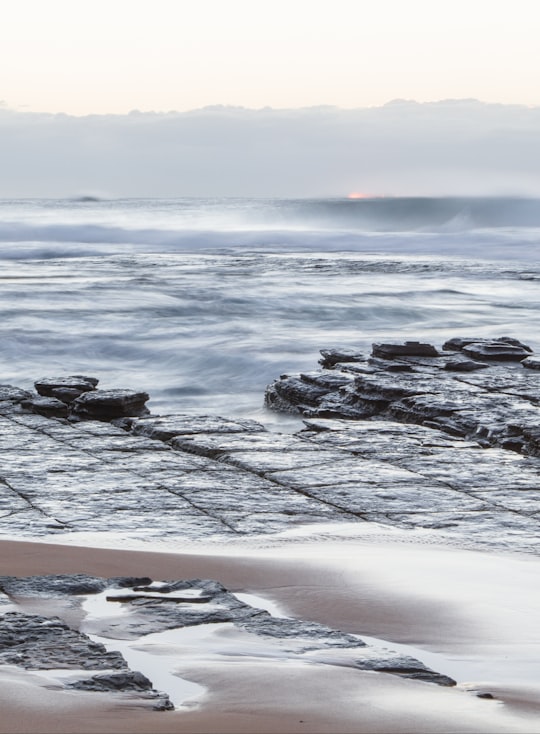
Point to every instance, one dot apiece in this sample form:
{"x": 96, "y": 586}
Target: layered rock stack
{"x": 473, "y": 388}
{"x": 77, "y": 398}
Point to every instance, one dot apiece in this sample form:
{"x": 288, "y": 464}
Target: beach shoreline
{"x": 385, "y": 589}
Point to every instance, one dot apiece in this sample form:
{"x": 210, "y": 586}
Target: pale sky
{"x": 113, "y": 56}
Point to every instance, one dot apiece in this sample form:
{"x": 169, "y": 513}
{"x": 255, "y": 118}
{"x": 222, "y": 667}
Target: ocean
{"x": 203, "y": 302}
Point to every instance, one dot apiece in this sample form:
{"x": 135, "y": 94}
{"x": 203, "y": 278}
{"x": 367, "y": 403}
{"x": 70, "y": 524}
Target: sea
{"x": 203, "y": 302}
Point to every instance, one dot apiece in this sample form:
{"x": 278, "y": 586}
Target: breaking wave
{"x": 481, "y": 228}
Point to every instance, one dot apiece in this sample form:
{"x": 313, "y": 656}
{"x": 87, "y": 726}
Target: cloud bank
{"x": 402, "y": 148}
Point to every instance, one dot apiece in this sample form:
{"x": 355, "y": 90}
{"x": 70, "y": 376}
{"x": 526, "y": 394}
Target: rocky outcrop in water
{"x": 427, "y": 447}
{"x": 76, "y": 398}
{"x": 496, "y": 405}
{"x": 36, "y": 642}
{"x": 41, "y": 643}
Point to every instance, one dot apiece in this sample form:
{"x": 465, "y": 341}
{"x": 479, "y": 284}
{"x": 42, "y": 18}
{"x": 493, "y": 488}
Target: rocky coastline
{"x": 445, "y": 441}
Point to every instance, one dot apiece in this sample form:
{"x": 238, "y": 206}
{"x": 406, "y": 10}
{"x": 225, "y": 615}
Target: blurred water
{"x": 205, "y": 328}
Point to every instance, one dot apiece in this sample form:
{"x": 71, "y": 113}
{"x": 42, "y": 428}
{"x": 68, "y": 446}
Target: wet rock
{"x": 43, "y": 643}
{"x": 125, "y": 682}
{"x": 106, "y": 405}
{"x": 408, "y": 454}
{"x": 128, "y": 681}
{"x": 314, "y": 636}
{"x": 531, "y": 363}
{"x": 388, "y": 388}
{"x": 295, "y": 392}
{"x": 459, "y": 342}
{"x": 39, "y": 643}
{"x": 387, "y": 365}
{"x": 464, "y": 365}
{"x": 13, "y": 394}
{"x": 530, "y": 437}
{"x": 407, "y": 349}
{"x": 326, "y": 380}
{"x": 48, "y": 407}
{"x": 407, "y": 667}
{"x": 495, "y": 350}
{"x": 55, "y": 586}
{"x": 464, "y": 397}
{"x": 331, "y": 357}
{"x": 164, "y": 428}
{"x": 66, "y": 389}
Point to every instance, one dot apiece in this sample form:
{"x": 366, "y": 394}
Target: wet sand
{"x": 476, "y": 611}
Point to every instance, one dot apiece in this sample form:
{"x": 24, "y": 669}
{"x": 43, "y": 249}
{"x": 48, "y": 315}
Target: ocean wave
{"x": 470, "y": 228}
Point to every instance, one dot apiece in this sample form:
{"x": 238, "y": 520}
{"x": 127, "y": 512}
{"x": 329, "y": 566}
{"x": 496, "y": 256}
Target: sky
{"x": 289, "y": 98}
{"x": 113, "y": 56}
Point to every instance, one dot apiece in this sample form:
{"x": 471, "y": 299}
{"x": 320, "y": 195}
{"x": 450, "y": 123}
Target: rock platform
{"x": 441, "y": 441}
{"x": 49, "y": 644}
{"x": 400, "y": 440}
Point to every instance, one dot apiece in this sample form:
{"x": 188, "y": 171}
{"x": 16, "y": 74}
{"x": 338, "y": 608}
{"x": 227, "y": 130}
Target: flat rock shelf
{"x": 415, "y": 438}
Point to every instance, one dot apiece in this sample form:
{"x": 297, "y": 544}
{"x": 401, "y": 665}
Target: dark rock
{"x": 326, "y": 380}
{"x": 478, "y": 403}
{"x": 495, "y": 350}
{"x": 49, "y": 407}
{"x": 10, "y": 394}
{"x": 406, "y": 667}
{"x": 66, "y": 389}
{"x": 106, "y": 405}
{"x": 52, "y": 586}
{"x": 300, "y": 392}
{"x": 92, "y": 380}
{"x": 331, "y": 357}
{"x": 151, "y": 594}
{"x": 489, "y": 696}
{"x": 38, "y": 643}
{"x": 531, "y": 363}
{"x": 387, "y": 365}
{"x": 457, "y": 343}
{"x": 61, "y": 585}
{"x": 386, "y": 388}
{"x": 531, "y": 438}
{"x": 464, "y": 365}
{"x": 314, "y": 636}
{"x": 41, "y": 643}
{"x": 419, "y": 408}
{"x": 408, "y": 348}
{"x": 125, "y": 681}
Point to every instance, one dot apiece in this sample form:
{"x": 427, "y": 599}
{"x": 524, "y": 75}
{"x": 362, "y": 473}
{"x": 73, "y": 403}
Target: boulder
{"x": 495, "y": 350}
{"x": 531, "y": 363}
{"x": 49, "y": 407}
{"x": 66, "y": 389}
{"x": 407, "y": 349}
{"x": 457, "y": 343}
{"x": 107, "y": 405}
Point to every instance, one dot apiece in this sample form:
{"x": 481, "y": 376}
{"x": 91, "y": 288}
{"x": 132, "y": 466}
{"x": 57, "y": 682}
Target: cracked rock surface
{"x": 40, "y": 643}
{"x": 401, "y": 440}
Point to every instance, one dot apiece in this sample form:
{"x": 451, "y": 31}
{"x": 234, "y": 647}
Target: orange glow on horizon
{"x": 358, "y": 195}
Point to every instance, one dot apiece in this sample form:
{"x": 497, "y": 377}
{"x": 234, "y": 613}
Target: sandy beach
{"x": 475, "y": 613}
